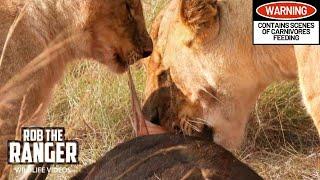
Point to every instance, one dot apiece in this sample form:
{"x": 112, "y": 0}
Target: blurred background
{"x": 93, "y": 105}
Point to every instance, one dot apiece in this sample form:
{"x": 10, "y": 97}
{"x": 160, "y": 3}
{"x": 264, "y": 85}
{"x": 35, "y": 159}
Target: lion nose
{"x": 148, "y": 48}
{"x": 146, "y": 53}
{"x": 155, "y": 118}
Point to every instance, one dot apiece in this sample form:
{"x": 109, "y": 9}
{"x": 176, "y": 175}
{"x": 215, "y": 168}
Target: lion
{"x": 206, "y": 70}
{"x": 308, "y": 60}
{"x": 40, "y": 37}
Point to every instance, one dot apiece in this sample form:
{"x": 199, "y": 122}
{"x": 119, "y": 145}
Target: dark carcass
{"x": 168, "y": 156}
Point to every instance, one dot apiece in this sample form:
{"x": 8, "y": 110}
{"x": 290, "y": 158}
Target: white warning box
{"x": 286, "y": 32}
{"x": 285, "y": 22}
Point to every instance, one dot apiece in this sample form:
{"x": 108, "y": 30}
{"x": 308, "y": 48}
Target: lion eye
{"x": 128, "y": 7}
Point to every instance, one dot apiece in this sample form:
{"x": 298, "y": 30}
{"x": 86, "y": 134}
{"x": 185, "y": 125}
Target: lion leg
{"x": 8, "y": 122}
{"x": 23, "y": 113}
{"x": 308, "y": 58}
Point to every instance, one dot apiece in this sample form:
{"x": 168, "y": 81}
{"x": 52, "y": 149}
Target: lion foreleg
{"x": 23, "y": 113}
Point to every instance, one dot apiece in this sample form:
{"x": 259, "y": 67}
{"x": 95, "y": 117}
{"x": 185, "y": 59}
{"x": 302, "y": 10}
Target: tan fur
{"x": 52, "y": 33}
{"x": 166, "y": 105}
{"x": 216, "y": 68}
{"x": 308, "y": 58}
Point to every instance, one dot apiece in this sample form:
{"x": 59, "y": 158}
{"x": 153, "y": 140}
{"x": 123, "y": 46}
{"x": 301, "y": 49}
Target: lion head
{"x": 119, "y": 35}
{"x": 205, "y": 73}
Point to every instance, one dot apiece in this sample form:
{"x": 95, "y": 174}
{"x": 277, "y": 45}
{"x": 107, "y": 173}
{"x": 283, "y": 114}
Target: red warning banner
{"x": 285, "y": 22}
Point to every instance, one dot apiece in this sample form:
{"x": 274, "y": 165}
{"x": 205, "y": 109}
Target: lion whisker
{"x": 197, "y": 122}
{"x": 192, "y": 126}
{"x": 202, "y": 120}
{"x": 212, "y": 95}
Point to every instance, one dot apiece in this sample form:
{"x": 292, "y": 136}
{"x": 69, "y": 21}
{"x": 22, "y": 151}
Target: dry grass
{"x": 94, "y": 106}
{"x": 282, "y": 142}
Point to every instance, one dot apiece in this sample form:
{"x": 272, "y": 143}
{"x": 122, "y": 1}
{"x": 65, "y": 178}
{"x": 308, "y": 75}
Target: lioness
{"x": 308, "y": 58}
{"x": 53, "y": 33}
{"x": 204, "y": 48}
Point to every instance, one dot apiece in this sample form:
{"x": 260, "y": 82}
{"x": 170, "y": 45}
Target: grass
{"x": 93, "y": 104}
{"x": 282, "y": 142}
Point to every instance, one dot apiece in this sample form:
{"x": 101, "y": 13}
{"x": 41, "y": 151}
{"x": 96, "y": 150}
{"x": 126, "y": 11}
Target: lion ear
{"x": 199, "y": 14}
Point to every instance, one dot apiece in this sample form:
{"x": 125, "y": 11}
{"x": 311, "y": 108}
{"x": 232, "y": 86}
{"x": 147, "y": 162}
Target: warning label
{"x": 285, "y": 22}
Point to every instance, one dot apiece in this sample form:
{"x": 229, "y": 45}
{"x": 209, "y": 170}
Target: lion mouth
{"x": 133, "y": 57}
{"x": 114, "y": 60}
{"x": 119, "y": 60}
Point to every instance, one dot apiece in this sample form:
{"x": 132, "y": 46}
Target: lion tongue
{"x": 139, "y": 123}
